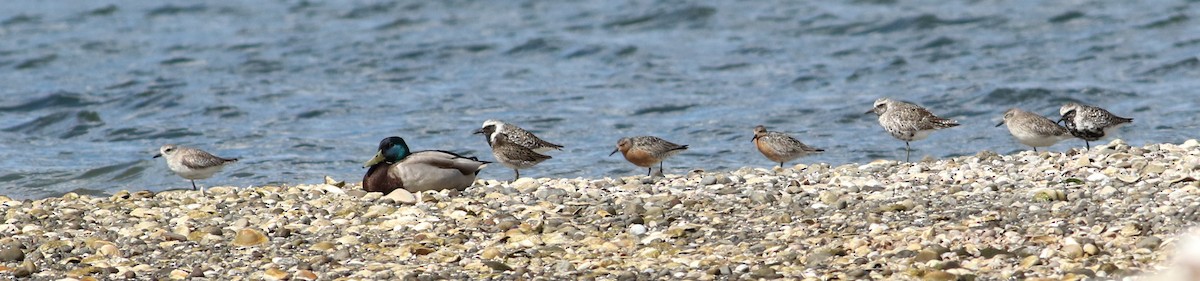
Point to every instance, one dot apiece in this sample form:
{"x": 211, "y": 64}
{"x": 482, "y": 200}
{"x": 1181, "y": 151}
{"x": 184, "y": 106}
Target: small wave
{"x": 368, "y": 10}
{"x": 57, "y": 100}
{"x": 1185, "y": 65}
{"x": 63, "y": 125}
{"x": 398, "y": 24}
{"x": 170, "y": 10}
{"x": 536, "y": 45}
{"x": 662, "y": 109}
{"x": 36, "y": 62}
{"x": 1173, "y": 20}
{"x": 21, "y": 19}
{"x": 664, "y": 19}
{"x": 102, "y": 11}
{"x": 927, "y": 22}
{"x": 1065, "y": 17}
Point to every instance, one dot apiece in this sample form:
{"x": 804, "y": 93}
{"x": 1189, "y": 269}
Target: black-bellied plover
{"x": 190, "y": 163}
{"x": 1032, "y": 129}
{"x": 514, "y": 155}
{"x": 1089, "y": 123}
{"x": 908, "y": 122}
{"x": 396, "y": 167}
{"x": 515, "y": 135}
{"x": 780, "y": 147}
{"x": 645, "y": 151}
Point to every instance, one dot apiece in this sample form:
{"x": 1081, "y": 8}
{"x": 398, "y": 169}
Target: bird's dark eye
{"x": 169, "y": 150}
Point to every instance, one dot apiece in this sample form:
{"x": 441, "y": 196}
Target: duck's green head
{"x": 391, "y": 149}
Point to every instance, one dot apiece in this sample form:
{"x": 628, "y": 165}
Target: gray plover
{"x": 908, "y": 122}
{"x": 516, "y": 135}
{"x": 396, "y": 167}
{"x": 1032, "y": 129}
{"x": 645, "y": 151}
{"x": 1089, "y": 123}
{"x": 780, "y": 147}
{"x": 514, "y": 155}
{"x": 190, "y": 163}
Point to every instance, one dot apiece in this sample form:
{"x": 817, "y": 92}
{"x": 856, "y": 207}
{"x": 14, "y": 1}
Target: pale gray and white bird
{"x": 1089, "y": 123}
{"x": 645, "y": 151}
{"x": 908, "y": 122}
{"x": 514, "y": 155}
{"x": 780, "y": 147}
{"x": 515, "y": 135}
{"x": 1032, "y": 129}
{"x": 190, "y": 163}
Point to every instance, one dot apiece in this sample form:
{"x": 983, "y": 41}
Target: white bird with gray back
{"x": 192, "y": 164}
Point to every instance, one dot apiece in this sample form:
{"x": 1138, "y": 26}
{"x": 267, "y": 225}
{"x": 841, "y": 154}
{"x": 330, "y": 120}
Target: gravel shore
{"x": 1110, "y": 212}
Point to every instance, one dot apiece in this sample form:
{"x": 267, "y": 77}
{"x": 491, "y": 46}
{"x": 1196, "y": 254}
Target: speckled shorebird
{"x": 1032, "y": 129}
{"x": 780, "y": 147}
{"x": 645, "y": 151}
{"x": 1089, "y": 123}
{"x": 190, "y": 163}
{"x": 516, "y": 135}
{"x": 908, "y": 122}
{"x": 395, "y": 167}
{"x": 514, "y": 155}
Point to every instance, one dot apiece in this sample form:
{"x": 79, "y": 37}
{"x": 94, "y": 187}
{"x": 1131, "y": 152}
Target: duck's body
{"x": 394, "y": 167}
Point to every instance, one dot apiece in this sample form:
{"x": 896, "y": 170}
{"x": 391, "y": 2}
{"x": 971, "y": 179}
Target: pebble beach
{"x": 1108, "y": 213}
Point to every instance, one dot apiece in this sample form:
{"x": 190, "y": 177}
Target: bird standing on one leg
{"x": 190, "y": 163}
{"x": 520, "y": 149}
{"x": 514, "y": 155}
{"x": 1090, "y": 123}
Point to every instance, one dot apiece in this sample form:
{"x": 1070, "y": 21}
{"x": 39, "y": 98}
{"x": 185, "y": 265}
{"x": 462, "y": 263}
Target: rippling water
{"x": 301, "y": 89}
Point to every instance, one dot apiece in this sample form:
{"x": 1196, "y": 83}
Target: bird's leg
{"x": 518, "y": 176}
{"x": 194, "y": 185}
{"x": 907, "y": 151}
{"x": 649, "y": 169}
{"x": 1034, "y": 149}
{"x": 1089, "y": 145}
{"x": 781, "y": 165}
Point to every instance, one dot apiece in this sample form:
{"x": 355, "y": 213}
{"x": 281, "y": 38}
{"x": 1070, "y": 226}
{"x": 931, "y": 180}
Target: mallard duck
{"x": 395, "y": 167}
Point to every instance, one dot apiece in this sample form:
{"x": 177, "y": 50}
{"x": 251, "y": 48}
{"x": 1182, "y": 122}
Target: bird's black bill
{"x": 614, "y": 152}
{"x": 1001, "y": 123}
{"x": 157, "y": 155}
{"x": 480, "y": 131}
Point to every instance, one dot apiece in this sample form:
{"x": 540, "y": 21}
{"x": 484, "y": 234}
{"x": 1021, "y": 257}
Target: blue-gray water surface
{"x": 303, "y": 89}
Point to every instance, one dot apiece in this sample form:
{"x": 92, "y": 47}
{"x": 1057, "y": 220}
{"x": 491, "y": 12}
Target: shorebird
{"x": 645, "y": 151}
{"x": 1089, "y": 123}
{"x": 396, "y": 167}
{"x": 516, "y": 135}
{"x": 1032, "y": 129}
{"x": 514, "y": 155}
{"x": 780, "y": 147}
{"x": 190, "y": 163}
{"x": 908, "y": 122}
